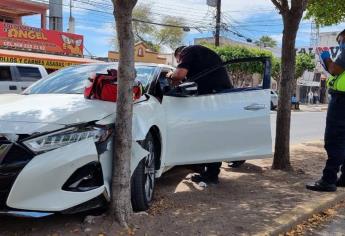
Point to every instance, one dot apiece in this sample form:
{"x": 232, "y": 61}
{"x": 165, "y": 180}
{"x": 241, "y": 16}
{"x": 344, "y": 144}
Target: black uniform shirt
{"x": 198, "y": 58}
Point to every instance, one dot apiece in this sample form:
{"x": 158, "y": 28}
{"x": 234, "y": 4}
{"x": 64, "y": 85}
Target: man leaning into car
{"x": 191, "y": 61}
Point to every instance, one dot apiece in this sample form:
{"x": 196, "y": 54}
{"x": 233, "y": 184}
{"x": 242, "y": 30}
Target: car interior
{"x": 5, "y": 73}
{"x": 237, "y": 70}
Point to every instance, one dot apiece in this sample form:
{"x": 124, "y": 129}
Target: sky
{"x": 251, "y": 19}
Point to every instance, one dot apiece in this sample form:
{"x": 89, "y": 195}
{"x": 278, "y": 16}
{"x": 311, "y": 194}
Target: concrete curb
{"x": 303, "y": 212}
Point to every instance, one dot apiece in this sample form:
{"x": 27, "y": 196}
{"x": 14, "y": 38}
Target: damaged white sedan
{"x": 56, "y": 146}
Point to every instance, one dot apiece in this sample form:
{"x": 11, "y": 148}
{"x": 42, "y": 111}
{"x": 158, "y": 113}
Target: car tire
{"x": 143, "y": 178}
{"x": 272, "y": 106}
{"x": 236, "y": 164}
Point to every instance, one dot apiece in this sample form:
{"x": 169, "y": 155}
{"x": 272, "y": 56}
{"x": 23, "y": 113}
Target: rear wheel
{"x": 143, "y": 178}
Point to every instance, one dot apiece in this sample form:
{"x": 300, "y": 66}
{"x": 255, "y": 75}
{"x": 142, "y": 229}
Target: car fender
{"x": 146, "y": 114}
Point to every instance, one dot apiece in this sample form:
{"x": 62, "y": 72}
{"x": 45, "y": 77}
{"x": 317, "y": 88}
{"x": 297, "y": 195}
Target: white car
{"x": 56, "y": 146}
{"x": 274, "y": 100}
{"x": 16, "y": 77}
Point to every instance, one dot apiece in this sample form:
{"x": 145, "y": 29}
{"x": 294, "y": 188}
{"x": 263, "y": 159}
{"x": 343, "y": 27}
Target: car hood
{"x": 57, "y": 109}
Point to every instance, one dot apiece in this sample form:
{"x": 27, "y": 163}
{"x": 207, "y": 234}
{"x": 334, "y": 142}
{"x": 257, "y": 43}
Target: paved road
{"x": 305, "y": 126}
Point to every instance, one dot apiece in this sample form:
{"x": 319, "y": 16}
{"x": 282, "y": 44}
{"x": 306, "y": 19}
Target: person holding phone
{"x": 335, "y": 122}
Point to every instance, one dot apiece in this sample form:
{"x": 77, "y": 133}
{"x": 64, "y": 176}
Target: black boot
{"x": 322, "y": 186}
{"x": 197, "y": 178}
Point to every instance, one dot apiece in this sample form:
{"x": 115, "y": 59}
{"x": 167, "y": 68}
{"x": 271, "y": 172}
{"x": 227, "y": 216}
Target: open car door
{"x": 225, "y": 126}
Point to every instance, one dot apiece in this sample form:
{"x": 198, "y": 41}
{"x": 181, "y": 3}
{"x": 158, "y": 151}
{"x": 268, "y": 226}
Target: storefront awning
{"x": 47, "y": 60}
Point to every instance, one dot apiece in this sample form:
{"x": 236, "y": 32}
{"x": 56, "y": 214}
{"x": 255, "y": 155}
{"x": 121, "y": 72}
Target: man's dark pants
{"x": 335, "y": 138}
{"x": 210, "y": 170}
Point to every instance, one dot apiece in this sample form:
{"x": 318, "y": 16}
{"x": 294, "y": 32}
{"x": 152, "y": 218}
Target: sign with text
{"x": 47, "y": 63}
{"x": 333, "y": 50}
{"x": 32, "y": 39}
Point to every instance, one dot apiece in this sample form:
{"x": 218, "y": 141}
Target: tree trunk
{"x": 282, "y": 142}
{"x": 121, "y": 207}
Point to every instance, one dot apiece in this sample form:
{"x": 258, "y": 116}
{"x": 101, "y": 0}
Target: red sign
{"x": 40, "y": 40}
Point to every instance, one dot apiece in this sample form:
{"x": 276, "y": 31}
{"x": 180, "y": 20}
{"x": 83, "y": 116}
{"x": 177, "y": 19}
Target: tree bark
{"x": 291, "y": 18}
{"x": 121, "y": 207}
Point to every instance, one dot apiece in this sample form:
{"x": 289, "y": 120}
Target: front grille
{"x": 17, "y": 154}
{"x": 11, "y": 163}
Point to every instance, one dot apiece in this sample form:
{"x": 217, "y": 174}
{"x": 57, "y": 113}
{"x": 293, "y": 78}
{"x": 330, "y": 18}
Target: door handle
{"x": 23, "y": 88}
{"x": 255, "y": 107}
{"x": 12, "y": 87}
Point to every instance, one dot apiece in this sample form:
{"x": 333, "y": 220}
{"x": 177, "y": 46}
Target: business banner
{"x": 47, "y": 63}
{"x": 28, "y": 38}
{"x": 333, "y": 50}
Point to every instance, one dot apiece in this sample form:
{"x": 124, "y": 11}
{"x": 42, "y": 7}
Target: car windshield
{"x": 72, "y": 80}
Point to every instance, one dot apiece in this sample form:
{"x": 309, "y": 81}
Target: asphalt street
{"x": 305, "y": 126}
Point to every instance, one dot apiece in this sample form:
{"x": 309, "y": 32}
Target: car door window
{"x": 245, "y": 74}
{"x": 5, "y": 73}
{"x": 29, "y": 73}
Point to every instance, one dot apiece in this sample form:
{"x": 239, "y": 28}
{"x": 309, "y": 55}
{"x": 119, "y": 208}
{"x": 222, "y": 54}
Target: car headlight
{"x": 65, "y": 137}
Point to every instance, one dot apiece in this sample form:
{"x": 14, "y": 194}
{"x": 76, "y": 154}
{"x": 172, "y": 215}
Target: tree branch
{"x": 277, "y": 4}
{"x": 281, "y": 5}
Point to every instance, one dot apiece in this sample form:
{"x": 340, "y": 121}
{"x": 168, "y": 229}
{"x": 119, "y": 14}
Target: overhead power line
{"x": 184, "y": 27}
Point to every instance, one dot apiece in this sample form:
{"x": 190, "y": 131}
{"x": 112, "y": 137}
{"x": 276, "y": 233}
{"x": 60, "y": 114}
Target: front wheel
{"x": 143, "y": 178}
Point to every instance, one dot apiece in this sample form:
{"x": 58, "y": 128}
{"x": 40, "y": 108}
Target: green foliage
{"x": 266, "y": 41}
{"x": 276, "y": 68}
{"x": 229, "y": 52}
{"x": 242, "y": 73}
{"x": 326, "y": 12}
{"x": 156, "y": 36}
{"x": 142, "y": 30}
{"x": 304, "y": 62}
{"x": 170, "y": 36}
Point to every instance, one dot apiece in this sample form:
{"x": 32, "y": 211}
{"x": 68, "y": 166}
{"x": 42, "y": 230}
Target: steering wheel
{"x": 165, "y": 84}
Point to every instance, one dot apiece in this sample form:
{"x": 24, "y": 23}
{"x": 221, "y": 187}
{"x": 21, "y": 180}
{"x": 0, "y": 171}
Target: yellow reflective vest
{"x": 337, "y": 83}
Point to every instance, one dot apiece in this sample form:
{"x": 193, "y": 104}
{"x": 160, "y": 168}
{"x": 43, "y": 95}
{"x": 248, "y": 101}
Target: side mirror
{"x": 184, "y": 90}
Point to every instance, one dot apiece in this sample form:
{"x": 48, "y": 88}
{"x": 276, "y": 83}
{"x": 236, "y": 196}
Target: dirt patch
{"x": 246, "y": 201}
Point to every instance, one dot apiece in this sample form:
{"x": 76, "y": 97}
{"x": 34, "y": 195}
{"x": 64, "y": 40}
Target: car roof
{"x": 19, "y": 64}
{"x": 136, "y": 63}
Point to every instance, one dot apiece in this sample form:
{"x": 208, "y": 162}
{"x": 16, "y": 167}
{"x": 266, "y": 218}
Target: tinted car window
{"x": 72, "y": 80}
{"x": 5, "y": 73}
{"x": 29, "y": 73}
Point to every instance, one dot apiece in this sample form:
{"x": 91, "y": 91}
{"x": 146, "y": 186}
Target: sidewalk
{"x": 250, "y": 200}
{"x": 313, "y": 107}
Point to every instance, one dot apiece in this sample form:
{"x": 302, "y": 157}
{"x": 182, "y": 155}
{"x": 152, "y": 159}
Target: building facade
{"x": 315, "y": 81}
{"x": 142, "y": 53}
{"x": 25, "y": 44}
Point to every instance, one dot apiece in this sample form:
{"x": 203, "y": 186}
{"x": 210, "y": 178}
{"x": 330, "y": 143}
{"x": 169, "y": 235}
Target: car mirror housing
{"x": 184, "y": 90}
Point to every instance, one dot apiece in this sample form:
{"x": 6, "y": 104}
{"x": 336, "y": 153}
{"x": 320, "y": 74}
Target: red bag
{"x": 104, "y": 87}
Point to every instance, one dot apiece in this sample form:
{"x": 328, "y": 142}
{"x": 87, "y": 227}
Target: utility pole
{"x": 71, "y": 20}
{"x": 216, "y": 38}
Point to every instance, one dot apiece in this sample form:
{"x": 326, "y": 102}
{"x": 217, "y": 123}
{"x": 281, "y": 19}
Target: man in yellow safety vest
{"x": 335, "y": 122}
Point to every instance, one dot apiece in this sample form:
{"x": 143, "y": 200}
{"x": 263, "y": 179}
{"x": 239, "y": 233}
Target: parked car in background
{"x": 56, "y": 147}
{"x": 16, "y": 77}
{"x": 274, "y": 100}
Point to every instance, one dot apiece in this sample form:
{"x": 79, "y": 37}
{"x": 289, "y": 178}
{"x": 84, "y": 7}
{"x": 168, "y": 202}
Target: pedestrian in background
{"x": 335, "y": 122}
{"x": 315, "y": 96}
{"x": 294, "y": 102}
{"x": 310, "y": 97}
